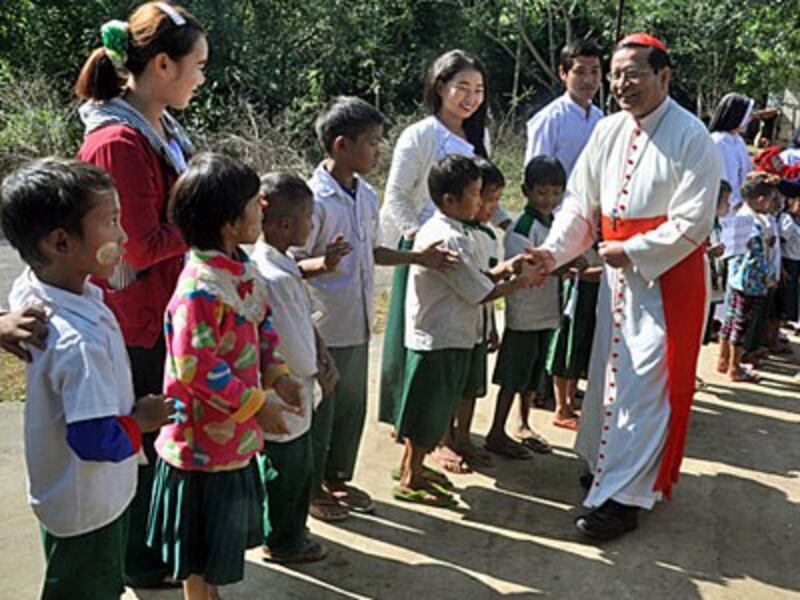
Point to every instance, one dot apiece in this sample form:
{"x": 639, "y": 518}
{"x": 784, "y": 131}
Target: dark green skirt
{"x": 393, "y": 361}
{"x": 522, "y": 359}
{"x": 435, "y": 382}
{"x": 202, "y": 522}
{"x": 87, "y": 566}
{"x": 571, "y": 344}
{"x": 476, "y": 381}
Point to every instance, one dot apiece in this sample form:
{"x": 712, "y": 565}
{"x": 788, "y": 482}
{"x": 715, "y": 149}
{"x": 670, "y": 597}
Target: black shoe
{"x": 608, "y": 521}
{"x": 586, "y": 480}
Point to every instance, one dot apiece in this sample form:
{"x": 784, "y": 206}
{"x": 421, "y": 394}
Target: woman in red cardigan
{"x": 147, "y": 64}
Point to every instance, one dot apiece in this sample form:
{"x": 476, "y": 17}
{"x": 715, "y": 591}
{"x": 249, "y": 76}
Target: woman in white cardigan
{"x": 456, "y": 96}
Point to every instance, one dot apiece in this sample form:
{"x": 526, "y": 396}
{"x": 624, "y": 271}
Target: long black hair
{"x": 730, "y": 113}
{"x": 443, "y": 70}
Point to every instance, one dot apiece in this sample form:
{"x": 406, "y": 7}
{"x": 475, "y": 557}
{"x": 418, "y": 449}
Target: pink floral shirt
{"x": 221, "y": 350}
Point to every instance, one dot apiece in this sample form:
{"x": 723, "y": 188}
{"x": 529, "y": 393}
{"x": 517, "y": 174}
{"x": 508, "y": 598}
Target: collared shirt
{"x": 538, "y": 308}
{"x": 82, "y": 374}
{"x": 443, "y": 307}
{"x": 790, "y": 235}
{"x": 291, "y": 318}
{"x": 343, "y": 300}
{"x": 561, "y": 129}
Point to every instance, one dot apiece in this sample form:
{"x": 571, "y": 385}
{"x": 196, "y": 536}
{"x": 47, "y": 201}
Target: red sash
{"x": 683, "y": 295}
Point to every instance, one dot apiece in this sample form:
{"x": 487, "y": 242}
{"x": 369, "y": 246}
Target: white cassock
{"x": 653, "y": 184}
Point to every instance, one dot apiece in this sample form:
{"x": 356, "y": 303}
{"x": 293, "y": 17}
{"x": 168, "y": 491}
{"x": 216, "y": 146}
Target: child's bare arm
{"x": 434, "y": 256}
{"x": 27, "y": 325}
{"x": 335, "y": 251}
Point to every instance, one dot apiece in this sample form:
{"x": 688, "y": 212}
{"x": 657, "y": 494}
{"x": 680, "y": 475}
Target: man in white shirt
{"x": 562, "y": 128}
{"x": 649, "y": 177}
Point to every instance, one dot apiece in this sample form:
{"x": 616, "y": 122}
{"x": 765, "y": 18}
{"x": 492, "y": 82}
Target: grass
{"x": 12, "y": 378}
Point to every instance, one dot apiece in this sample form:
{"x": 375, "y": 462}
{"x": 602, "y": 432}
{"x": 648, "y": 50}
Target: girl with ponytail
{"x": 146, "y": 65}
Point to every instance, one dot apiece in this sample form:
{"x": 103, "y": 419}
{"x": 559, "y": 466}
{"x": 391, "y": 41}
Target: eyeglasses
{"x": 632, "y": 75}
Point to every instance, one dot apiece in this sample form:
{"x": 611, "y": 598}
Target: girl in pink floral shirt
{"x": 207, "y": 500}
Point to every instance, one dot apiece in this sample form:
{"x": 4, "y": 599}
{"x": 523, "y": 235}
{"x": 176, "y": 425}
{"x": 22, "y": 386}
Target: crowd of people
{"x": 188, "y": 400}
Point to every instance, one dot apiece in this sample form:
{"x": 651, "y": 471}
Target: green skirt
{"x": 571, "y": 344}
{"x": 202, "y": 522}
{"x": 87, "y": 566}
{"x": 476, "y": 382}
{"x": 435, "y": 382}
{"x": 521, "y": 360}
{"x": 393, "y": 361}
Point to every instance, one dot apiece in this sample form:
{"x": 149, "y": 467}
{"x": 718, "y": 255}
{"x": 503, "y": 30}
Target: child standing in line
{"x": 208, "y": 499}
{"x": 287, "y": 222}
{"x": 487, "y": 251}
{"x": 748, "y": 277}
{"x": 82, "y": 433}
{"x": 339, "y": 260}
{"x": 717, "y": 266}
{"x": 531, "y": 315}
{"x": 790, "y": 244}
{"x": 442, "y": 323}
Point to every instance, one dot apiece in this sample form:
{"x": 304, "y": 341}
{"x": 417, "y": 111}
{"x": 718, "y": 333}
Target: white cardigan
{"x": 407, "y": 202}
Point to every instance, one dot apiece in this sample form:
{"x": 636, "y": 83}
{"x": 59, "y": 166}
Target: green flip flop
{"x": 424, "y": 497}
{"x": 435, "y": 477}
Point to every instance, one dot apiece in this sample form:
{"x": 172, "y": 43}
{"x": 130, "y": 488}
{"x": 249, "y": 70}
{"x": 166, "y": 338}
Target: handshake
{"x": 531, "y": 267}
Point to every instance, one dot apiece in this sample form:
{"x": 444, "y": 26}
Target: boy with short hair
{"x": 562, "y": 128}
{"x": 338, "y": 260}
{"x": 487, "y": 250}
{"x": 443, "y": 319}
{"x": 531, "y": 315}
{"x": 287, "y": 222}
{"x": 81, "y": 435}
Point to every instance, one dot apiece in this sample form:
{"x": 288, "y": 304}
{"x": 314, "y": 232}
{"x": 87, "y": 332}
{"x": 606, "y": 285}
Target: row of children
{"x": 199, "y": 494}
{"x": 226, "y": 381}
{"x": 760, "y": 278}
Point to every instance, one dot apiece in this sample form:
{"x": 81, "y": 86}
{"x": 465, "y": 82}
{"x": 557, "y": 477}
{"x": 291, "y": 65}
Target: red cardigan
{"x": 155, "y": 248}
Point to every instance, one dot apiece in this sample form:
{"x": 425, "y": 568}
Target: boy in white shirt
{"x": 81, "y": 434}
{"x": 339, "y": 260}
{"x": 287, "y": 222}
{"x": 443, "y": 319}
{"x": 531, "y": 315}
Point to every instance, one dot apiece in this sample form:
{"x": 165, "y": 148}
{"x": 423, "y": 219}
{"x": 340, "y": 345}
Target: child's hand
{"x": 291, "y": 392}
{"x": 27, "y": 325}
{"x": 493, "y": 344}
{"x": 437, "y": 257}
{"x": 152, "y": 411}
{"x": 335, "y": 252}
{"x": 716, "y": 250}
{"x": 532, "y": 275}
{"x": 270, "y": 418}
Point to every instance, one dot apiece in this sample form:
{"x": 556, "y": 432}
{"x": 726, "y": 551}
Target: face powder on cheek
{"x": 108, "y": 254}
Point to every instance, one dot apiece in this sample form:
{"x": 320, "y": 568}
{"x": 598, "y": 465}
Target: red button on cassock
{"x": 609, "y": 413}
{"x": 605, "y": 427}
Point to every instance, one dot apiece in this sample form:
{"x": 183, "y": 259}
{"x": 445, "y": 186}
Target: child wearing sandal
{"x": 487, "y": 249}
{"x": 287, "y": 460}
{"x": 338, "y": 260}
{"x": 748, "y": 276}
{"x": 442, "y": 323}
{"x": 531, "y": 315}
{"x": 208, "y": 501}
{"x": 82, "y": 434}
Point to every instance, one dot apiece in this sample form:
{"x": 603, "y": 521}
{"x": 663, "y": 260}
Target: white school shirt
{"x": 488, "y": 250}
{"x": 443, "y": 308}
{"x": 561, "y": 129}
{"x": 790, "y": 234}
{"x": 343, "y": 299}
{"x": 407, "y": 201}
{"x": 626, "y": 411}
{"x": 537, "y": 308}
{"x": 290, "y": 302}
{"x": 83, "y": 373}
{"x": 736, "y": 163}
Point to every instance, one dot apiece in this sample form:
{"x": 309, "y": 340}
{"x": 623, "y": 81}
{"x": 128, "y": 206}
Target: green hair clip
{"x": 115, "y": 41}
